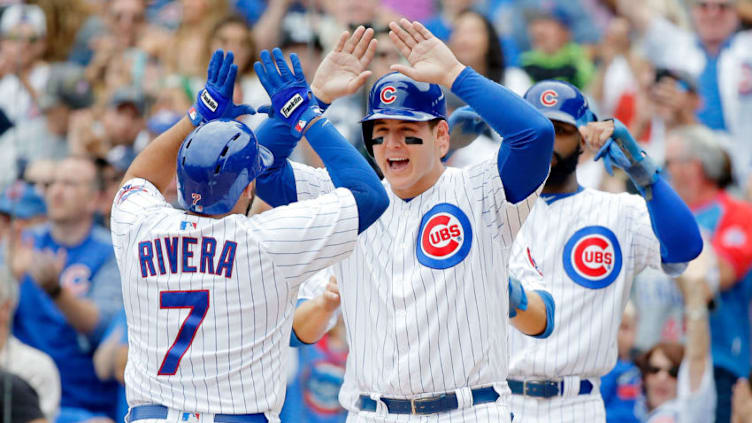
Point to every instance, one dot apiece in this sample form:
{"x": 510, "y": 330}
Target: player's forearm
{"x": 525, "y": 154}
{"x": 311, "y": 320}
{"x": 81, "y": 313}
{"x": 534, "y": 320}
{"x": 276, "y": 185}
{"x": 348, "y": 169}
{"x": 673, "y": 224}
{"x": 158, "y": 161}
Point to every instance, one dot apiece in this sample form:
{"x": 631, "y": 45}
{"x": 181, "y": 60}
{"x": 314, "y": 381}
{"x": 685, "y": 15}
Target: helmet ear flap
{"x": 367, "y": 128}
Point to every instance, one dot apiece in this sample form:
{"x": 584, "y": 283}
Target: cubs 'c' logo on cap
{"x": 548, "y": 98}
{"x": 444, "y": 237}
{"x": 592, "y": 257}
{"x": 387, "y": 94}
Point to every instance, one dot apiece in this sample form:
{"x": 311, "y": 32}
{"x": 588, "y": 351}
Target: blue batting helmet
{"x": 216, "y": 162}
{"x": 560, "y": 101}
{"x": 396, "y": 96}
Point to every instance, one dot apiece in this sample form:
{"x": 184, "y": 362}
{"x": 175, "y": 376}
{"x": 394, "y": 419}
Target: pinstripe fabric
{"x": 414, "y": 330}
{"x": 583, "y": 343}
{"x": 237, "y": 360}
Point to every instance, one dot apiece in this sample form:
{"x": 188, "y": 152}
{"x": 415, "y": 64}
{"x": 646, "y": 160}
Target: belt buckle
{"x": 414, "y": 401}
{"x": 524, "y": 388}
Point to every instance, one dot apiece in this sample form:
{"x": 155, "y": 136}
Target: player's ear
{"x": 442, "y": 137}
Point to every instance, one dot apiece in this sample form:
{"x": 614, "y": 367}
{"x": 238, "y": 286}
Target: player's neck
{"x": 71, "y": 233}
{"x": 568, "y": 186}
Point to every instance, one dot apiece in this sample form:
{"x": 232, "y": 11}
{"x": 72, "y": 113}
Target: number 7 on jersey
{"x": 198, "y": 303}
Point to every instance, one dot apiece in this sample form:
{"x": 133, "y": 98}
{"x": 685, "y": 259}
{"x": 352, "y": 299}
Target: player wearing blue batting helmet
{"x": 396, "y": 96}
{"x": 406, "y": 132}
{"x": 216, "y": 162}
{"x": 568, "y": 109}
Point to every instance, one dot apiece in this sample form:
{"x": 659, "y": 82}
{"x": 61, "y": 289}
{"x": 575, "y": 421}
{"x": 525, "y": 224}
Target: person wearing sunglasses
{"x": 678, "y": 379}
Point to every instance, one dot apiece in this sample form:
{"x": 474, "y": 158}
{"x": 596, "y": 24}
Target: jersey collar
{"x": 553, "y": 197}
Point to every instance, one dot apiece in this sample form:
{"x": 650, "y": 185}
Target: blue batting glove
{"x": 517, "y": 297}
{"x": 612, "y": 155}
{"x": 292, "y": 99}
{"x": 465, "y": 125}
{"x": 621, "y": 150}
{"x": 214, "y": 101}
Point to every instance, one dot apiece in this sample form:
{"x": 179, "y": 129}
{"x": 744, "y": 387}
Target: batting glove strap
{"x": 517, "y": 297}
{"x": 210, "y": 104}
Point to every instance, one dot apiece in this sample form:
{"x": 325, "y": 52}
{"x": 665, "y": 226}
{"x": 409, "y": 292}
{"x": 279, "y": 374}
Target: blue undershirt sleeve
{"x": 525, "y": 153}
{"x": 276, "y": 185}
{"x": 548, "y": 300}
{"x": 348, "y": 169}
{"x": 673, "y": 224}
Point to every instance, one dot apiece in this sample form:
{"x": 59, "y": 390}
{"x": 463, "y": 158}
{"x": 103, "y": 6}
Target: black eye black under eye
{"x": 413, "y": 140}
{"x": 378, "y": 140}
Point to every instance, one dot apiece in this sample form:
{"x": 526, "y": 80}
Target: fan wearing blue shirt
{"x": 71, "y": 290}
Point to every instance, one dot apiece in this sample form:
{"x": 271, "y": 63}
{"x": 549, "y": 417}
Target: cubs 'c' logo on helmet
{"x": 592, "y": 257}
{"x": 444, "y": 237}
{"x": 548, "y": 98}
{"x": 387, "y": 94}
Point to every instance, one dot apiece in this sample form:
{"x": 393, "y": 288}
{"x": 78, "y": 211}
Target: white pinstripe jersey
{"x": 588, "y": 246}
{"x": 424, "y": 296}
{"x": 210, "y": 302}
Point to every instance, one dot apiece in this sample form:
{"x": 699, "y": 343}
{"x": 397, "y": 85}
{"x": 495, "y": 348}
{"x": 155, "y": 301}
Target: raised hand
{"x": 343, "y": 70}
{"x": 430, "y": 59}
{"x": 292, "y": 100}
{"x": 214, "y": 101}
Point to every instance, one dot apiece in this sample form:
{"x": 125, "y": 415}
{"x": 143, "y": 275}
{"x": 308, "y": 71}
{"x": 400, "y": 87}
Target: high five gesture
{"x": 429, "y": 58}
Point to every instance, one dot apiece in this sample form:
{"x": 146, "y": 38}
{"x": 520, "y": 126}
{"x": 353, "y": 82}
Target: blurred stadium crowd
{"x": 86, "y": 84}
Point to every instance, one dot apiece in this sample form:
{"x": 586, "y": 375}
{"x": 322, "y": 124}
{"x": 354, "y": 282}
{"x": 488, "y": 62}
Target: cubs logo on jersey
{"x": 76, "y": 278}
{"x": 444, "y": 237}
{"x": 592, "y": 257}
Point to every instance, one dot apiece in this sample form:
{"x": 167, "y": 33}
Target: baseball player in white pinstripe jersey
{"x": 588, "y": 245}
{"x": 425, "y": 295}
{"x": 210, "y": 293}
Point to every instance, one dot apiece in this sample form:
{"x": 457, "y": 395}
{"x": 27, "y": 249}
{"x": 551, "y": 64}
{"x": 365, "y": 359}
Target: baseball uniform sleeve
{"x": 485, "y": 181}
{"x": 522, "y": 265}
{"x": 311, "y": 182}
{"x": 646, "y": 248}
{"x": 132, "y": 202}
{"x": 308, "y": 236}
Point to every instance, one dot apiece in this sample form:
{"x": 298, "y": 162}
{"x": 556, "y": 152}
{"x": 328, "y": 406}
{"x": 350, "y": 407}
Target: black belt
{"x": 142, "y": 412}
{"x": 430, "y": 405}
{"x": 545, "y": 388}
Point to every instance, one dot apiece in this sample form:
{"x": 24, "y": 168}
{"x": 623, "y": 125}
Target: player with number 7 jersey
{"x": 209, "y": 293}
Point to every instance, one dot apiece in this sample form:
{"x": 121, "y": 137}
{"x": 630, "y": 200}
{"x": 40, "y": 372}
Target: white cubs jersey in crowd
{"x": 209, "y": 302}
{"x": 424, "y": 296}
{"x": 588, "y": 246}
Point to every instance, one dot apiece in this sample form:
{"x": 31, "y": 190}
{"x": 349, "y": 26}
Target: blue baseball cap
{"x": 22, "y": 201}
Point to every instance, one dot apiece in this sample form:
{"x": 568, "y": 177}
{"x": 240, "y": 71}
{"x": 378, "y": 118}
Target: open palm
{"x": 342, "y": 71}
{"x": 429, "y": 58}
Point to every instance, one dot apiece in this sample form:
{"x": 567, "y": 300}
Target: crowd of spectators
{"x": 86, "y": 84}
